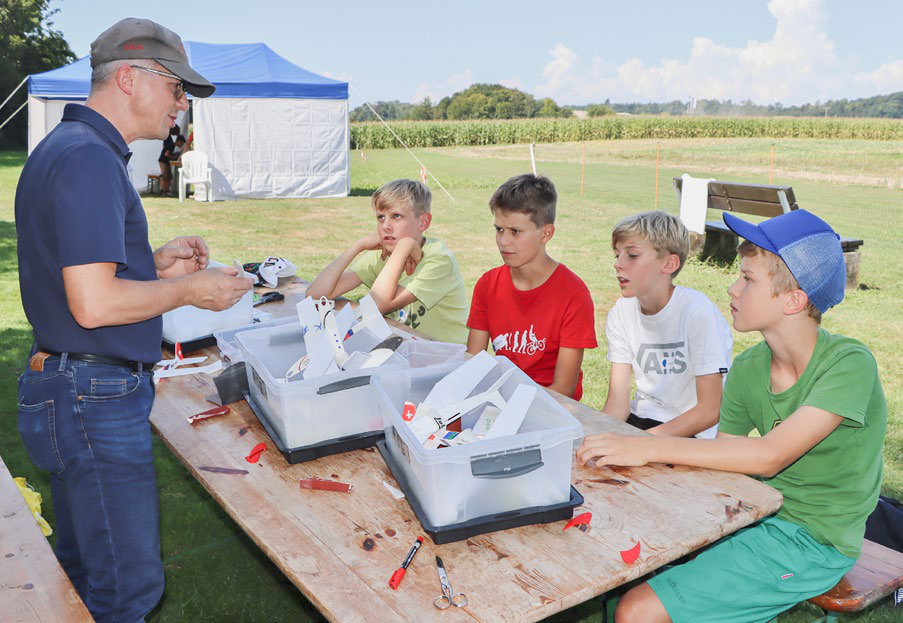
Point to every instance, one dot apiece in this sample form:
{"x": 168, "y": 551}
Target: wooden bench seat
{"x": 153, "y": 183}
{"x": 720, "y": 243}
{"x": 33, "y": 585}
{"x": 878, "y": 573}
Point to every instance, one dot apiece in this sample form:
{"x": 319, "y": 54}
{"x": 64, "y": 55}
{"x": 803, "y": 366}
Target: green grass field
{"x": 215, "y": 573}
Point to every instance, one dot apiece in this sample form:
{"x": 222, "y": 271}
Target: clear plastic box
{"x": 228, "y": 345}
{"x": 303, "y": 412}
{"x": 188, "y": 322}
{"x": 488, "y": 477}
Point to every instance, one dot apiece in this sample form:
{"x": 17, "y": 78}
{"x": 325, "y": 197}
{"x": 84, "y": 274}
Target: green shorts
{"x": 751, "y": 576}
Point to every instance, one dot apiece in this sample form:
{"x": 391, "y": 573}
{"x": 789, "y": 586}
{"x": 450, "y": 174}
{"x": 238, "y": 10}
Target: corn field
{"x": 374, "y": 135}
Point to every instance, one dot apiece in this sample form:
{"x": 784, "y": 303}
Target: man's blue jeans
{"x": 87, "y": 424}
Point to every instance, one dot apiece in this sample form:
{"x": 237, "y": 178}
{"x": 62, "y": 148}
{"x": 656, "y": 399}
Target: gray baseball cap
{"x": 138, "y": 38}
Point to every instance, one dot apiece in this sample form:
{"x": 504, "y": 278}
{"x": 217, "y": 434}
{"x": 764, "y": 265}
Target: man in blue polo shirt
{"x": 93, "y": 291}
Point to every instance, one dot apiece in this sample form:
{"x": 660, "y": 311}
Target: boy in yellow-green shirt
{"x": 413, "y": 279}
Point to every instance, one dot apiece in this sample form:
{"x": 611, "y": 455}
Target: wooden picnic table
{"x": 33, "y": 586}
{"x": 340, "y": 549}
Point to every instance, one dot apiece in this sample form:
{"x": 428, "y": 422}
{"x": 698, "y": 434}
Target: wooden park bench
{"x": 33, "y": 585}
{"x": 877, "y": 573}
{"x": 720, "y": 243}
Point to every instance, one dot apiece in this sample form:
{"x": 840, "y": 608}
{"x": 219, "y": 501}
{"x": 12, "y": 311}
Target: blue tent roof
{"x": 237, "y": 70}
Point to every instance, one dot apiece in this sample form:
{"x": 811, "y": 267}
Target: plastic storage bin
{"x": 331, "y": 408}
{"x": 461, "y": 483}
{"x": 228, "y": 345}
{"x": 189, "y": 323}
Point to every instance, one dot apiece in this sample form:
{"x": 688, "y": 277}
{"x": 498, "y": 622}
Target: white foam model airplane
{"x": 441, "y": 407}
{"x": 325, "y": 332}
{"x": 170, "y": 367}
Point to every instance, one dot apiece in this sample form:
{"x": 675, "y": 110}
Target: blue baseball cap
{"x": 809, "y": 248}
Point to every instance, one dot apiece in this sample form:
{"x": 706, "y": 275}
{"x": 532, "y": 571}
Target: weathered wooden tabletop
{"x": 340, "y": 549}
{"x": 33, "y": 586}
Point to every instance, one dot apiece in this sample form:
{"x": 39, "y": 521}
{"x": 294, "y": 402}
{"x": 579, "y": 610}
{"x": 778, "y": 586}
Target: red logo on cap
{"x": 133, "y": 46}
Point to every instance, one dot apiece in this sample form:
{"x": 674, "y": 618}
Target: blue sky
{"x": 791, "y": 51}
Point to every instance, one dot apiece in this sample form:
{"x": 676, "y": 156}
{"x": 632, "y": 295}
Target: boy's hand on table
{"x": 613, "y": 449}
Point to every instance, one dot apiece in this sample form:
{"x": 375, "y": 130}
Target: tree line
{"x": 478, "y": 101}
{"x": 879, "y": 106}
{"x": 483, "y": 101}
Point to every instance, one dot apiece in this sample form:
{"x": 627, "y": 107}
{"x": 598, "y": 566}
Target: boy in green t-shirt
{"x": 414, "y": 278}
{"x": 817, "y": 404}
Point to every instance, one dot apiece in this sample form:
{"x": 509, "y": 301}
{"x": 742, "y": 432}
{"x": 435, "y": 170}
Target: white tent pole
{"x": 8, "y": 119}
{"x": 397, "y": 138}
{"x": 13, "y": 93}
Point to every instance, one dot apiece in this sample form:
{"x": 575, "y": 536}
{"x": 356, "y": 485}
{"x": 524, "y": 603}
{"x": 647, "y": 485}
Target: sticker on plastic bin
{"x": 258, "y": 382}
{"x": 409, "y": 411}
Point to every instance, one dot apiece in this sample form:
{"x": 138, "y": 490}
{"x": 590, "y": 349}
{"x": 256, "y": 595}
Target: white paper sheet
{"x": 694, "y": 198}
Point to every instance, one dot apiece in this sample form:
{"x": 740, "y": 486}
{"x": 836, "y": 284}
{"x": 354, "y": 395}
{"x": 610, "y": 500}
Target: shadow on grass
{"x": 12, "y": 159}
{"x": 364, "y": 191}
{"x": 9, "y": 263}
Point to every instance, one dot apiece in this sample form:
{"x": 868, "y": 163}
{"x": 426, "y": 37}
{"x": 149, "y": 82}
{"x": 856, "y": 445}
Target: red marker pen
{"x": 399, "y": 573}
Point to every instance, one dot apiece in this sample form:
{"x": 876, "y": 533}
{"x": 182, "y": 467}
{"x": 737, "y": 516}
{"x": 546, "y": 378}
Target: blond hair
{"x": 410, "y": 193}
{"x": 664, "y": 232}
{"x": 782, "y": 280}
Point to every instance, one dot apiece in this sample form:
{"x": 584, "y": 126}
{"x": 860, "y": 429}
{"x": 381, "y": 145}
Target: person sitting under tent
{"x": 166, "y": 155}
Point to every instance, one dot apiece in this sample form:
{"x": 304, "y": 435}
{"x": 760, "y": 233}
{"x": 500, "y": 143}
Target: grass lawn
{"x": 215, "y": 573}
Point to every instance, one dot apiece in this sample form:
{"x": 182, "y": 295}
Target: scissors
{"x": 448, "y": 596}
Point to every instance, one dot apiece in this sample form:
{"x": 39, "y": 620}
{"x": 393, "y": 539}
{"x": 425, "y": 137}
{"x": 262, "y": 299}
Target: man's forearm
{"x": 124, "y": 301}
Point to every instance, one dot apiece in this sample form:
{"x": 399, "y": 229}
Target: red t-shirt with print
{"x": 529, "y": 326}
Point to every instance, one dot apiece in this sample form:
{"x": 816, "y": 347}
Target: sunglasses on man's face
{"x": 179, "y": 87}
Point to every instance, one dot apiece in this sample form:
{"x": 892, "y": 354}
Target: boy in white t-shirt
{"x": 673, "y": 340}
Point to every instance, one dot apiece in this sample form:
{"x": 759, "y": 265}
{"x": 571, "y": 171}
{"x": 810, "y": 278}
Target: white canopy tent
{"x": 272, "y": 129}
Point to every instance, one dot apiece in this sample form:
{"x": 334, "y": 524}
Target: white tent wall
{"x": 45, "y": 114}
{"x": 275, "y": 147}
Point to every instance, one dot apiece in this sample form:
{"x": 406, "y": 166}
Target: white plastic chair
{"x": 195, "y": 170}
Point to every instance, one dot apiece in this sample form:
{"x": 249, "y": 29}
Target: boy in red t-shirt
{"x": 536, "y": 312}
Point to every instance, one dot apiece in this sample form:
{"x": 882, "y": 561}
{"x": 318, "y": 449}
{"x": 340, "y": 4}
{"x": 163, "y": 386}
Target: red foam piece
{"x": 630, "y": 555}
{"x": 583, "y": 518}
{"x": 255, "y": 453}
